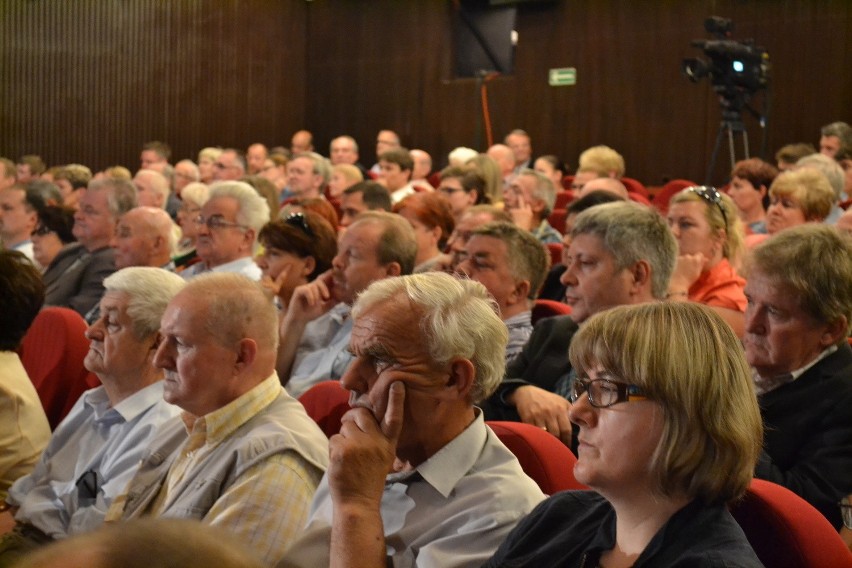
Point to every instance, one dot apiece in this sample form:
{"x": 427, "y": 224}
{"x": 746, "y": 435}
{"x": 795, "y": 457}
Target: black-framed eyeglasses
{"x": 214, "y": 222}
{"x": 711, "y": 195}
{"x": 846, "y": 512}
{"x": 41, "y": 230}
{"x": 603, "y": 393}
{"x": 299, "y": 220}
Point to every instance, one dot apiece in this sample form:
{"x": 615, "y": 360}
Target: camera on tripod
{"x": 737, "y": 69}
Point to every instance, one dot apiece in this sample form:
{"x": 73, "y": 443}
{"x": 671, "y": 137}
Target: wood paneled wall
{"x": 90, "y": 81}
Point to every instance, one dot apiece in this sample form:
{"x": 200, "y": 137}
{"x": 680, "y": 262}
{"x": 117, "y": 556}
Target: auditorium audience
{"x": 343, "y": 176}
{"x": 463, "y": 188}
{"x": 229, "y": 166}
{"x": 620, "y": 253}
{"x": 193, "y": 198}
{"x": 552, "y": 167}
{"x": 243, "y": 455}
{"x": 750, "y": 182}
{"x": 596, "y": 162}
{"x": 710, "y": 240}
{"x": 315, "y": 331}
{"x": 207, "y": 163}
{"x": 521, "y": 145}
{"x": 511, "y": 264}
{"x": 295, "y": 251}
{"x": 529, "y": 200}
{"x": 18, "y": 219}
{"x": 343, "y": 150}
{"x": 155, "y": 156}
{"x": 75, "y": 277}
{"x": 798, "y": 197}
{"x": 363, "y": 196}
{"x": 832, "y": 171}
{"x": 432, "y": 220}
{"x": 395, "y": 167}
{"x": 612, "y": 185}
{"x": 7, "y": 173}
{"x": 669, "y": 432}
{"x": 94, "y": 450}
{"x": 799, "y": 294}
{"x": 72, "y": 180}
{"x": 53, "y": 232}
{"x": 416, "y": 478}
{"x": 144, "y": 238}
{"x": 475, "y": 216}
{"x": 25, "y": 430}
{"x": 227, "y": 228}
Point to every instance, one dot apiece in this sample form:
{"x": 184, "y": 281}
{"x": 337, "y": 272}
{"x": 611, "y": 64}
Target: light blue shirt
{"x": 323, "y": 351}
{"x": 244, "y": 266}
{"x": 96, "y": 437}
{"x": 454, "y": 510}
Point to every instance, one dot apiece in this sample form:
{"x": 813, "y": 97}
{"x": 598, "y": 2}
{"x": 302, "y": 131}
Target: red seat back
{"x": 555, "y": 252}
{"x": 635, "y": 186}
{"x": 326, "y": 403}
{"x": 785, "y": 530}
{"x": 52, "y": 352}
{"x": 549, "y": 308}
{"x": 661, "y": 200}
{"x": 563, "y": 198}
{"x": 557, "y": 219}
{"x": 544, "y": 458}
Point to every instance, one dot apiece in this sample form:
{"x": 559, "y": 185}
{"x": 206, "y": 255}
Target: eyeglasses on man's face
{"x": 214, "y": 222}
{"x": 603, "y": 393}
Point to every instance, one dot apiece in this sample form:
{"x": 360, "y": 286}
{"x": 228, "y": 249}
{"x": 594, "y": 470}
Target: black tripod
{"x": 732, "y": 123}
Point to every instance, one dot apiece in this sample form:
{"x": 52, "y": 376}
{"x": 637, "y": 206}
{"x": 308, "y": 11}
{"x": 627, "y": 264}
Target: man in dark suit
{"x": 620, "y": 253}
{"x": 799, "y": 294}
{"x": 75, "y": 277}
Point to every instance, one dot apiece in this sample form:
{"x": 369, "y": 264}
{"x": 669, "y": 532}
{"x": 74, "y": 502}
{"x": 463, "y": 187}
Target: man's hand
{"x": 523, "y": 215}
{"x": 544, "y": 409}
{"x": 313, "y": 299}
{"x": 363, "y": 453}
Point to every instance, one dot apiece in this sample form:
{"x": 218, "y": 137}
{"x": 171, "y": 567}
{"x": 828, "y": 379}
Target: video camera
{"x": 736, "y": 69}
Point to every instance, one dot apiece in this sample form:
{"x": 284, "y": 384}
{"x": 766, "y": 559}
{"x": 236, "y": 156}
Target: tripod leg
{"x": 708, "y": 179}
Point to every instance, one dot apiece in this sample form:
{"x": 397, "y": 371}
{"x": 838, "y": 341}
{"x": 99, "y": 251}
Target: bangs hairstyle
{"x": 457, "y": 317}
{"x": 290, "y": 236}
{"x": 686, "y": 359}
{"x": 810, "y": 188}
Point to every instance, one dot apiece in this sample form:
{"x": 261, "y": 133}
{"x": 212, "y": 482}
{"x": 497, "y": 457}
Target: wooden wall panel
{"x": 91, "y": 81}
{"x": 389, "y": 64}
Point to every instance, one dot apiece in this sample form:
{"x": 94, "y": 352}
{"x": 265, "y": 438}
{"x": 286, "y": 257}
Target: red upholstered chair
{"x": 638, "y": 198}
{"x": 52, "y": 352}
{"x": 635, "y": 186}
{"x": 434, "y": 179}
{"x": 326, "y": 403}
{"x": 557, "y": 219}
{"x": 549, "y": 462}
{"x": 566, "y": 182}
{"x": 555, "y": 251}
{"x": 785, "y": 530}
{"x": 661, "y": 200}
{"x": 563, "y": 198}
{"x": 549, "y": 308}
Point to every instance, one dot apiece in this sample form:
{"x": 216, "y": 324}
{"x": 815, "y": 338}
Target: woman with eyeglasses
{"x": 296, "y": 250}
{"x": 669, "y": 433}
{"x": 52, "y": 233}
{"x": 193, "y": 197}
{"x": 709, "y": 237}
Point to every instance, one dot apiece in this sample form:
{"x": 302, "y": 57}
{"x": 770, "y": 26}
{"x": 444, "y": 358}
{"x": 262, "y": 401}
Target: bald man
{"x": 609, "y": 184}
{"x": 144, "y": 238}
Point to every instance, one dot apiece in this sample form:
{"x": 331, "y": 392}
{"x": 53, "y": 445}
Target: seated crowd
{"x": 692, "y": 345}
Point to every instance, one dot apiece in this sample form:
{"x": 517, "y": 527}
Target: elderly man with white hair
{"x": 93, "y": 453}
{"x": 227, "y": 229}
{"x": 416, "y": 478}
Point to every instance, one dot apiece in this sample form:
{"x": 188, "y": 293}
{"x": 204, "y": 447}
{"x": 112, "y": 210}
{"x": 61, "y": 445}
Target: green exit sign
{"x": 562, "y": 77}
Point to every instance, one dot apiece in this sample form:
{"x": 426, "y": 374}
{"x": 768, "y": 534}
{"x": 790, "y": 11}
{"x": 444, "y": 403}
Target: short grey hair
{"x": 149, "y": 291}
{"x": 121, "y": 196}
{"x": 254, "y": 210}
{"x": 160, "y": 183}
{"x": 543, "y": 190}
{"x": 827, "y": 167}
{"x": 458, "y": 319}
{"x": 630, "y": 233}
{"x": 195, "y": 171}
{"x": 322, "y": 166}
{"x": 526, "y": 255}
{"x": 235, "y": 308}
{"x": 196, "y": 192}
{"x": 344, "y": 137}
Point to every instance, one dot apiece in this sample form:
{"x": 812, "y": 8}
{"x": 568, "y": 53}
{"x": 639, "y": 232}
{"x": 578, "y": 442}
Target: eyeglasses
{"x": 300, "y": 221}
{"x": 710, "y": 195}
{"x": 449, "y": 190}
{"x": 603, "y": 393}
{"x": 214, "y": 222}
{"x": 846, "y": 512}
